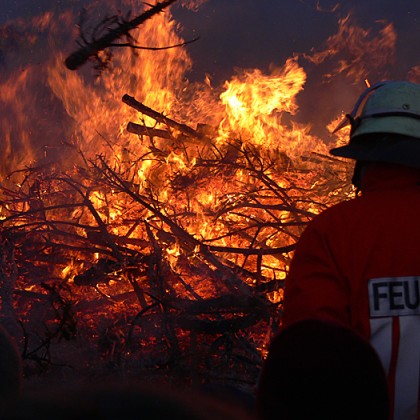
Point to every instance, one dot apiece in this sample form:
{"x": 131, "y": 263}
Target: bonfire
{"x": 157, "y": 239}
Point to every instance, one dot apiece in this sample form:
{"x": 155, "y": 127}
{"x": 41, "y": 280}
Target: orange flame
{"x": 259, "y": 108}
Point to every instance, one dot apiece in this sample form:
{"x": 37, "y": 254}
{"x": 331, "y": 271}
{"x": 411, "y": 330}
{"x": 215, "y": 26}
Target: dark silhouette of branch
{"x": 140, "y": 47}
{"x": 91, "y": 49}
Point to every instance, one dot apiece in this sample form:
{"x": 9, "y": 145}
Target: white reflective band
{"x": 407, "y": 374}
{"x": 395, "y": 301}
{"x": 394, "y": 296}
{"x": 381, "y": 340}
{"x": 407, "y": 346}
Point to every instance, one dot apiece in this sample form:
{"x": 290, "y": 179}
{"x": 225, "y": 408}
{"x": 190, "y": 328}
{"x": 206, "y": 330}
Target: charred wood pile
{"x": 169, "y": 262}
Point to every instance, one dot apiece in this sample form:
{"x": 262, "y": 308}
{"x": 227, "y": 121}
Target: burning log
{"x": 142, "y": 130}
{"x": 99, "y": 273}
{"x": 183, "y": 128}
{"x": 96, "y": 237}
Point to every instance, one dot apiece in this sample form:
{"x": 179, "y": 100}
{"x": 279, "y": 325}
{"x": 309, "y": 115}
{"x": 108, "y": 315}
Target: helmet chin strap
{"x": 359, "y": 171}
{"x": 356, "y": 180}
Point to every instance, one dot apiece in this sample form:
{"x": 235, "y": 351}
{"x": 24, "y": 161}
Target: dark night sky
{"x": 256, "y": 33}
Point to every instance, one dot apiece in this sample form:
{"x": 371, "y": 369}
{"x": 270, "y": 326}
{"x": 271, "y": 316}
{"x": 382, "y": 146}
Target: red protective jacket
{"x": 358, "y": 264}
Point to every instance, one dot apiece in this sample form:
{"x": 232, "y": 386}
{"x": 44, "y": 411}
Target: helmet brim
{"x": 397, "y": 149}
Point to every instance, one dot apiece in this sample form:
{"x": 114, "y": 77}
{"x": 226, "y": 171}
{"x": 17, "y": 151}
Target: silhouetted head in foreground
{"x": 317, "y": 370}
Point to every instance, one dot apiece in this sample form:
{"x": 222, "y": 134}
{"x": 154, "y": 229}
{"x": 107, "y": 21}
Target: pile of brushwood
{"x": 104, "y": 269}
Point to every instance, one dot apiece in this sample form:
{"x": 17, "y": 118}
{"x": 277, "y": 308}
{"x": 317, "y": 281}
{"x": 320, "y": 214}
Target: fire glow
{"x": 144, "y": 242}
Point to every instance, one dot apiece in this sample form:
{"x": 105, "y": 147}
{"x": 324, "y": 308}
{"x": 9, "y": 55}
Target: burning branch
{"x": 160, "y": 118}
{"x": 118, "y": 183}
{"x": 93, "y": 48}
{"x": 142, "y": 130}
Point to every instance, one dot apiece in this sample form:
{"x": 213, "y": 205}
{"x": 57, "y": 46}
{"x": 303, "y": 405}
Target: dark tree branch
{"x": 140, "y": 47}
{"x": 78, "y": 58}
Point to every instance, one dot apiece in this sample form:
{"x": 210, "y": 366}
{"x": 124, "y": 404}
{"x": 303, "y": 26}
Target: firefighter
{"x": 357, "y": 264}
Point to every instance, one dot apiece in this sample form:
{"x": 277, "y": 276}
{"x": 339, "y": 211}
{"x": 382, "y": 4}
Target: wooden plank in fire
{"x": 159, "y": 117}
{"x": 143, "y": 130}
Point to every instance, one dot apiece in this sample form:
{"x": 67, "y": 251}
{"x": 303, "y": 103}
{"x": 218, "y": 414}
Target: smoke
{"x": 192, "y": 4}
{"x": 358, "y": 53}
{"x": 340, "y": 67}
